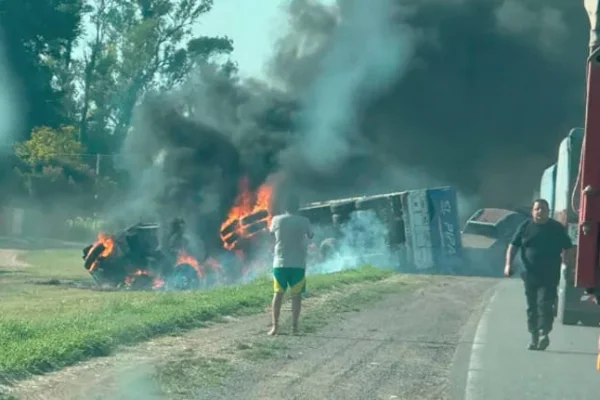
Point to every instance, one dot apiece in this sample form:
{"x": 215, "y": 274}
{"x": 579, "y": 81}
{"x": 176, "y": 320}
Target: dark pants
{"x": 541, "y": 300}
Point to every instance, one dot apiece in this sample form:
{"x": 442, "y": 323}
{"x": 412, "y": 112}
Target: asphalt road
{"x": 492, "y": 362}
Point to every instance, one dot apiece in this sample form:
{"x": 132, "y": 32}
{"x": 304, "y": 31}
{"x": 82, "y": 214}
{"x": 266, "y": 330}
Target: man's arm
{"x": 273, "y": 225}
{"x": 513, "y": 247}
{"x": 511, "y": 253}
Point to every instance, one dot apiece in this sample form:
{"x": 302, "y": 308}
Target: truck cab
{"x": 558, "y": 184}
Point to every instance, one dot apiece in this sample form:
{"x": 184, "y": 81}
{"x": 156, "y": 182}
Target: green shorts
{"x": 294, "y": 278}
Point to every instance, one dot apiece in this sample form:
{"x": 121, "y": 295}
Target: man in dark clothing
{"x": 542, "y": 241}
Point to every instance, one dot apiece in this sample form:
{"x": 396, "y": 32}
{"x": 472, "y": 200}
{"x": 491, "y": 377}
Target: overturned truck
{"x": 413, "y": 231}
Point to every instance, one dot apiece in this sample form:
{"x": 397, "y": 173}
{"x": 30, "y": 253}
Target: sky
{"x": 252, "y": 25}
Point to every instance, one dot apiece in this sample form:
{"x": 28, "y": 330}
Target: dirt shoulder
{"x": 400, "y": 348}
{"x": 383, "y": 340}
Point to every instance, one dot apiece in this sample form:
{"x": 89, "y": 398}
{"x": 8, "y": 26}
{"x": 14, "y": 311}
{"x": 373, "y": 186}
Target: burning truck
{"x": 147, "y": 256}
{"x": 418, "y": 232}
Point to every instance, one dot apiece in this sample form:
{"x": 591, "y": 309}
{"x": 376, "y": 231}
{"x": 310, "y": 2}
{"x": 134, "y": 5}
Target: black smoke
{"x": 484, "y": 94}
{"x": 475, "y": 94}
{"x": 184, "y": 169}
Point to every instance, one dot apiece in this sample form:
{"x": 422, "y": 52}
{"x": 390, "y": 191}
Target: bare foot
{"x": 273, "y": 331}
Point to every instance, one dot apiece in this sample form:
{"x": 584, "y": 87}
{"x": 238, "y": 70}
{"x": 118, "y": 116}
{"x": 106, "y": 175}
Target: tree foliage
{"x": 48, "y": 145}
{"x": 82, "y": 67}
{"x": 38, "y": 39}
{"x": 137, "y": 46}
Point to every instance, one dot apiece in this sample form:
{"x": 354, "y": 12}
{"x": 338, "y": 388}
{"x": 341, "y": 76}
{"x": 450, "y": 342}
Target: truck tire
{"x": 93, "y": 255}
{"x": 185, "y": 277}
{"x": 255, "y": 217}
{"x": 566, "y": 317}
{"x": 230, "y": 228}
{"x": 574, "y": 318}
{"x": 589, "y": 321}
{"x": 256, "y": 227}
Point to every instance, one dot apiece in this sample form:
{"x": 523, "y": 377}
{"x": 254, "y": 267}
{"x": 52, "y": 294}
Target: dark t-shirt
{"x": 541, "y": 246}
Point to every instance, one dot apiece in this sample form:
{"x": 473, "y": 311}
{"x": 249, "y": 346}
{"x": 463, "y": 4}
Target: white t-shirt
{"x": 291, "y": 240}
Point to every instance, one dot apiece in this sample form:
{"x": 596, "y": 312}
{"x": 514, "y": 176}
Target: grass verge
{"x": 43, "y": 328}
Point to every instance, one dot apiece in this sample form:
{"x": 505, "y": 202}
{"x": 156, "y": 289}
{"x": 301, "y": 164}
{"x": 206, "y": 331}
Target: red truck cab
{"x": 587, "y": 262}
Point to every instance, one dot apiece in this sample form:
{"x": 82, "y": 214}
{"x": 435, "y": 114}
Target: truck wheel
{"x": 185, "y": 277}
{"x": 589, "y": 321}
{"x": 93, "y": 255}
{"x": 567, "y": 318}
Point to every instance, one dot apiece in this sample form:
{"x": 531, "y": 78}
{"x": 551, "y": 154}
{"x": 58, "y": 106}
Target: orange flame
{"x": 247, "y": 203}
{"x": 109, "y": 245}
{"x": 184, "y": 258}
{"x": 156, "y": 282}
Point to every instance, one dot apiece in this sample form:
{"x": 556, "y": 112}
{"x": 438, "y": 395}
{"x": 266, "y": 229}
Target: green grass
{"x": 45, "y": 327}
{"x": 262, "y": 349}
{"x": 183, "y": 376}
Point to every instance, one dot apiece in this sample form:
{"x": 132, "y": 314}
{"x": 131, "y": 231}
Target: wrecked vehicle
{"x": 485, "y": 237}
{"x": 411, "y": 231}
{"x": 137, "y": 258}
{"x": 134, "y": 259}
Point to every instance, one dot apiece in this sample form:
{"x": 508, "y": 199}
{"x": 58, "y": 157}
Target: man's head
{"x": 540, "y": 211}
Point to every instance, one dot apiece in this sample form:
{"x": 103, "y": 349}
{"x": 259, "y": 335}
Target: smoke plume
{"x": 378, "y": 96}
{"x": 361, "y": 240}
{"x": 364, "y": 53}
{"x": 478, "y": 93}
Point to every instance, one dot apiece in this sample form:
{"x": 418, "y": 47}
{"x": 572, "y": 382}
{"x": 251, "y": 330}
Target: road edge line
{"x": 462, "y": 376}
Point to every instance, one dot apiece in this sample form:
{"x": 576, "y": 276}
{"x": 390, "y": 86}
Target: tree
{"x": 137, "y": 46}
{"x": 39, "y": 37}
{"x": 47, "y": 145}
{"x": 54, "y": 173}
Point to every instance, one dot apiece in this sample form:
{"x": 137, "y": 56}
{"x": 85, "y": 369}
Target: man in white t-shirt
{"x": 291, "y": 232}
